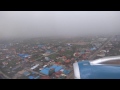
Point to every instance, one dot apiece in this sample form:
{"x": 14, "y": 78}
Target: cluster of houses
{"x": 47, "y": 57}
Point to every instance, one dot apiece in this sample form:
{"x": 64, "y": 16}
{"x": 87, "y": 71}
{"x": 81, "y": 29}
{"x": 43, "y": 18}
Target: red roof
{"x": 67, "y": 61}
{"x": 45, "y": 77}
{"x": 58, "y": 63}
{"x": 58, "y": 73}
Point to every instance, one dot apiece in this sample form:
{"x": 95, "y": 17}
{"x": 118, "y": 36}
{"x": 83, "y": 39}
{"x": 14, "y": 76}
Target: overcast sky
{"x": 58, "y": 23}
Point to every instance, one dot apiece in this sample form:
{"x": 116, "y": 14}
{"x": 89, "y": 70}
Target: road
{"x": 44, "y": 56}
{"x": 6, "y": 77}
{"x": 94, "y": 55}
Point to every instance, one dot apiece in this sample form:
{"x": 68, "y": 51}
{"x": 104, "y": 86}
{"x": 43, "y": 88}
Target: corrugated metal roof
{"x": 45, "y": 71}
{"x": 58, "y": 68}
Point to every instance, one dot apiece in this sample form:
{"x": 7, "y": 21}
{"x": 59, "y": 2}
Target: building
{"x": 35, "y": 66}
{"x": 46, "y": 70}
{"x": 31, "y": 77}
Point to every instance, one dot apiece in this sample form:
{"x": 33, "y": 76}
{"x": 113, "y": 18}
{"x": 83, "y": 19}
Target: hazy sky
{"x": 58, "y": 23}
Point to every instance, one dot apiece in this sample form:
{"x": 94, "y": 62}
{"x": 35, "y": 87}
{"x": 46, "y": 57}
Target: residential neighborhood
{"x": 37, "y": 59}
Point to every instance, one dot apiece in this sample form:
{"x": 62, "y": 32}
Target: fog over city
{"x": 31, "y": 24}
{"x": 59, "y": 44}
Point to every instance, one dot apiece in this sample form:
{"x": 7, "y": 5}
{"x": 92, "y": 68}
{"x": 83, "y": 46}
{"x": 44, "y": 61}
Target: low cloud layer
{"x": 28, "y": 24}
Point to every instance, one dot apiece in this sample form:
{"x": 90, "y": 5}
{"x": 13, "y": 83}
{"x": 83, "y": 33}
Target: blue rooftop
{"x": 31, "y": 77}
{"x": 23, "y": 55}
{"x": 54, "y": 66}
{"x": 92, "y": 48}
{"x": 58, "y": 68}
{"x": 66, "y": 72}
{"x": 45, "y": 71}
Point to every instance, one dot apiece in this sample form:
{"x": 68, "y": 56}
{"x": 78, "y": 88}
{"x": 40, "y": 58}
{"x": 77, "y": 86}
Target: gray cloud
{"x": 15, "y": 24}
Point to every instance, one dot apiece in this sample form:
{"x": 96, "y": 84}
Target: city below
{"x": 52, "y": 58}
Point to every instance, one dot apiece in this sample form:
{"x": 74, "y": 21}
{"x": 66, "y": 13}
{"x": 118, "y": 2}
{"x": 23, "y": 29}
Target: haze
{"x": 30, "y": 24}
